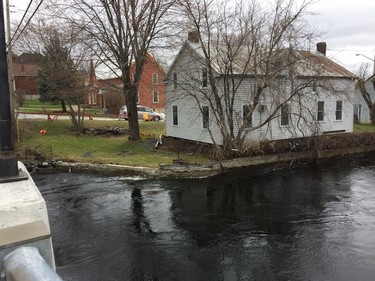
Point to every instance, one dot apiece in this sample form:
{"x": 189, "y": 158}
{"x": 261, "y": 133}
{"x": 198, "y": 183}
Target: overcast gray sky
{"x": 348, "y": 28}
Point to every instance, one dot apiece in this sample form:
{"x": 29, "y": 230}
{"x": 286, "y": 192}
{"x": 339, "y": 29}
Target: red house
{"x": 151, "y": 90}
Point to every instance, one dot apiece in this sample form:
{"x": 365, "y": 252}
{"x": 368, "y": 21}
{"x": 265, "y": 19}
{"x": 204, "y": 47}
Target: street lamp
{"x": 373, "y": 61}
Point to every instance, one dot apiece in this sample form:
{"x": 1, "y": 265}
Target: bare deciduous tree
{"x": 120, "y": 33}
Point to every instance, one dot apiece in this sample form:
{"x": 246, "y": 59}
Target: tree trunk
{"x": 372, "y": 114}
{"x": 63, "y": 105}
{"x": 131, "y": 104}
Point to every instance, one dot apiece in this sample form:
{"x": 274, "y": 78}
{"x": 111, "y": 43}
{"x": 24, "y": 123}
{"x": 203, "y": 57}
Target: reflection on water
{"x": 312, "y": 223}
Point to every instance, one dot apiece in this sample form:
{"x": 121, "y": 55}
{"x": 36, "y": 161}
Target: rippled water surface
{"x": 311, "y": 223}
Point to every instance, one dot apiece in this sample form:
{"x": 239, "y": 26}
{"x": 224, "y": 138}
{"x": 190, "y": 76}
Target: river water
{"x": 308, "y": 223}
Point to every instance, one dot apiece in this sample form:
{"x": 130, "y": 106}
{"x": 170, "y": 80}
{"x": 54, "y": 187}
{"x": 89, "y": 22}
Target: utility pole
{"x": 8, "y": 161}
{"x": 10, "y": 58}
{"x": 10, "y": 68}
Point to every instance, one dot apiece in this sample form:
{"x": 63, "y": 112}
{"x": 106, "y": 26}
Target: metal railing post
{"x": 26, "y": 264}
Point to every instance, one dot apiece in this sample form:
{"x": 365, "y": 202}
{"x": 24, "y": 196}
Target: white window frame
{"x": 338, "y": 110}
{"x": 174, "y": 115}
{"x": 245, "y": 119}
{"x": 204, "y": 77}
{"x": 174, "y": 78}
{"x": 155, "y": 79}
{"x": 288, "y": 114}
{"x": 205, "y": 118}
{"x": 155, "y": 94}
{"x": 320, "y": 112}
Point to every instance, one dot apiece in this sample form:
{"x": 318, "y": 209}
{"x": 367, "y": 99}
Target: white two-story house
{"x": 362, "y": 112}
{"x": 310, "y": 96}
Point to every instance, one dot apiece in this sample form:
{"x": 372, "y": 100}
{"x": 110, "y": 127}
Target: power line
{"x": 19, "y": 25}
{"x": 28, "y": 21}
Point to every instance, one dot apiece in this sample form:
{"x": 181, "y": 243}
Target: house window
{"x": 339, "y": 110}
{"x": 175, "y": 115}
{"x": 155, "y": 78}
{"x": 205, "y": 116}
{"x": 314, "y": 87}
{"x": 174, "y": 81}
{"x": 285, "y": 114}
{"x": 320, "y": 116}
{"x": 254, "y": 89}
{"x": 204, "y": 78}
{"x": 155, "y": 97}
{"x": 247, "y": 116}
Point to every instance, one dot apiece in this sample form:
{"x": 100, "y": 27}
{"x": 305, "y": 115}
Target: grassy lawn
{"x": 62, "y": 142}
{"x": 47, "y": 107}
{"x": 361, "y": 128}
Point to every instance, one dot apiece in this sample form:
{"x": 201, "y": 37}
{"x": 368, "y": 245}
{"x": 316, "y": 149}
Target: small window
{"x": 204, "y": 78}
{"x": 155, "y": 78}
{"x": 174, "y": 81}
{"x": 247, "y": 116}
{"x": 155, "y": 97}
{"x": 285, "y": 114}
{"x": 254, "y": 88}
{"x": 339, "y": 110}
{"x": 175, "y": 115}
{"x": 314, "y": 87}
{"x": 205, "y": 117}
{"x": 320, "y": 116}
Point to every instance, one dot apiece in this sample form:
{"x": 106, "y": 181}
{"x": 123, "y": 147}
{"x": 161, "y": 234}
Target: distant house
{"x": 151, "y": 89}
{"x": 361, "y": 109}
{"x": 25, "y": 70}
{"x": 321, "y": 110}
{"x": 112, "y": 91}
{"x": 94, "y": 97}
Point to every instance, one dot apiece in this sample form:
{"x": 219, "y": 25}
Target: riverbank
{"x": 283, "y": 160}
{"x": 111, "y": 153}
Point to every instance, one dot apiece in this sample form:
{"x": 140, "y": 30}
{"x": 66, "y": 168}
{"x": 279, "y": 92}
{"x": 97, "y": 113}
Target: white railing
{"x": 26, "y": 264}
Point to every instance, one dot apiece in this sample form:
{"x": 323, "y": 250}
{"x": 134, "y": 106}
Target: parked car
{"x": 142, "y": 111}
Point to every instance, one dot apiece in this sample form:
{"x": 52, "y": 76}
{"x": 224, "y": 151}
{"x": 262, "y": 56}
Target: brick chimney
{"x": 193, "y": 36}
{"x": 321, "y": 47}
{"x": 92, "y": 75}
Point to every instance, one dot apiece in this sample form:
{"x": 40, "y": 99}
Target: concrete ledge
{"x": 24, "y": 218}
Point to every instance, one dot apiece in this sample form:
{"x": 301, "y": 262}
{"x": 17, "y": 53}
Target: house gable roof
{"x": 306, "y": 63}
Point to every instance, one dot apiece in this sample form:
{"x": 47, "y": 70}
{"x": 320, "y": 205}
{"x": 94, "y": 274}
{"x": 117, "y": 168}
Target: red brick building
{"x": 94, "y": 97}
{"x": 151, "y": 90}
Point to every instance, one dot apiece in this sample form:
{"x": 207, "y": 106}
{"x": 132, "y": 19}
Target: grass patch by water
{"x": 62, "y": 142}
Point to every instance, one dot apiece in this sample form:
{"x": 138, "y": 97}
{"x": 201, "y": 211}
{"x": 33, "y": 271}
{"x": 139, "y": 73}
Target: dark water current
{"x": 310, "y": 223}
